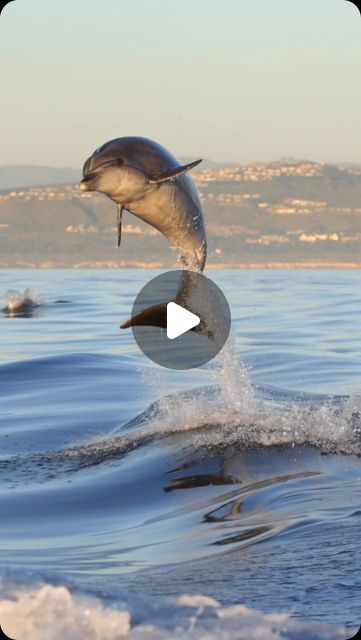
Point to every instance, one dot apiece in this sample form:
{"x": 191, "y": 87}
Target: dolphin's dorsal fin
{"x": 174, "y": 173}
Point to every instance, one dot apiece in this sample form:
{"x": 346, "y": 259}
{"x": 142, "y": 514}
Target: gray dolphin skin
{"x": 141, "y": 176}
{"x": 156, "y": 315}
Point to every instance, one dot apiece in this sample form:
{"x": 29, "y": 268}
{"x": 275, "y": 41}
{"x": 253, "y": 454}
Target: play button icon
{"x": 179, "y": 320}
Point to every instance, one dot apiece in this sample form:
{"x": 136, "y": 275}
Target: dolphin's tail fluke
{"x": 155, "y": 316}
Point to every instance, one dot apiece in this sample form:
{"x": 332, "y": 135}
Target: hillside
{"x": 16, "y": 176}
{"x": 286, "y": 213}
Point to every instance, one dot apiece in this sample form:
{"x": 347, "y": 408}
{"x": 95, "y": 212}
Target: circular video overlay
{"x": 180, "y": 319}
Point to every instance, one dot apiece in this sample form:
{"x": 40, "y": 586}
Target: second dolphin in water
{"x": 144, "y": 178}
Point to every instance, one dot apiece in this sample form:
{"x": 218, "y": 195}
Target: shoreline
{"x": 310, "y": 264}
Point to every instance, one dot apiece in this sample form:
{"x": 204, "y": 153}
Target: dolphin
{"x": 21, "y": 305}
{"x": 144, "y": 178}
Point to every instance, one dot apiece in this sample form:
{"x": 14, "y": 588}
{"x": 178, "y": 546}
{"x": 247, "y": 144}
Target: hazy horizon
{"x": 212, "y": 161}
{"x": 238, "y": 83}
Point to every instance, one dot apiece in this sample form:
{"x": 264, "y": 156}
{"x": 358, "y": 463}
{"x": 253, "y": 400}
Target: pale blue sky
{"x": 239, "y": 80}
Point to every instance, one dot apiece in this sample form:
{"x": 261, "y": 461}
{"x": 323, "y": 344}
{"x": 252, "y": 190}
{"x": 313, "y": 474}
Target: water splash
{"x": 233, "y": 412}
{"x": 234, "y": 381}
{"x": 17, "y": 304}
{"x": 228, "y": 413}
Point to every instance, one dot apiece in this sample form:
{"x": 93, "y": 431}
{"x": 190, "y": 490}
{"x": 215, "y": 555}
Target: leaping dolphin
{"x": 144, "y": 178}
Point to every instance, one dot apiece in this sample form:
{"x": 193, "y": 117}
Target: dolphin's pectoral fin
{"x": 119, "y": 222}
{"x": 174, "y": 173}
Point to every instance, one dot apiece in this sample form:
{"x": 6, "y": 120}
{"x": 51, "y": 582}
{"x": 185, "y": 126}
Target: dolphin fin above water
{"x": 174, "y": 173}
{"x": 164, "y": 177}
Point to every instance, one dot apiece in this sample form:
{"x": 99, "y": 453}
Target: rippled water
{"x": 240, "y": 481}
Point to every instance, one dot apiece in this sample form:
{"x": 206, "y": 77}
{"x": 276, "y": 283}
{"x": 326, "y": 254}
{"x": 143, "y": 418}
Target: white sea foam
{"x": 40, "y": 612}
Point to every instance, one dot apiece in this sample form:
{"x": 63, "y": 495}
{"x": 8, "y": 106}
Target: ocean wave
{"x": 41, "y": 611}
{"x": 207, "y": 424}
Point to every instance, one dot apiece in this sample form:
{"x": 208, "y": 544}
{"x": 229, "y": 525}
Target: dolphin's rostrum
{"x": 144, "y": 178}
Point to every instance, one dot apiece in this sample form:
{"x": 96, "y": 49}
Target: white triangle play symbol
{"x": 179, "y": 320}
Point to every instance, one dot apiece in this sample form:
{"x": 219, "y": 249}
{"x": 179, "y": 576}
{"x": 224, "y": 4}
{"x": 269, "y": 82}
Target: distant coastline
{"x": 287, "y": 214}
{"x": 210, "y": 266}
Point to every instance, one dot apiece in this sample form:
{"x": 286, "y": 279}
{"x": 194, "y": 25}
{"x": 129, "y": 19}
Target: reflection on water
{"x": 202, "y": 480}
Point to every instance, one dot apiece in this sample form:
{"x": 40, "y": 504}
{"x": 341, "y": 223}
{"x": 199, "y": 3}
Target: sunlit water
{"x": 240, "y": 481}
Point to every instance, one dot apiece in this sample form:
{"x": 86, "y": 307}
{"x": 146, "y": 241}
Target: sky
{"x": 237, "y": 80}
